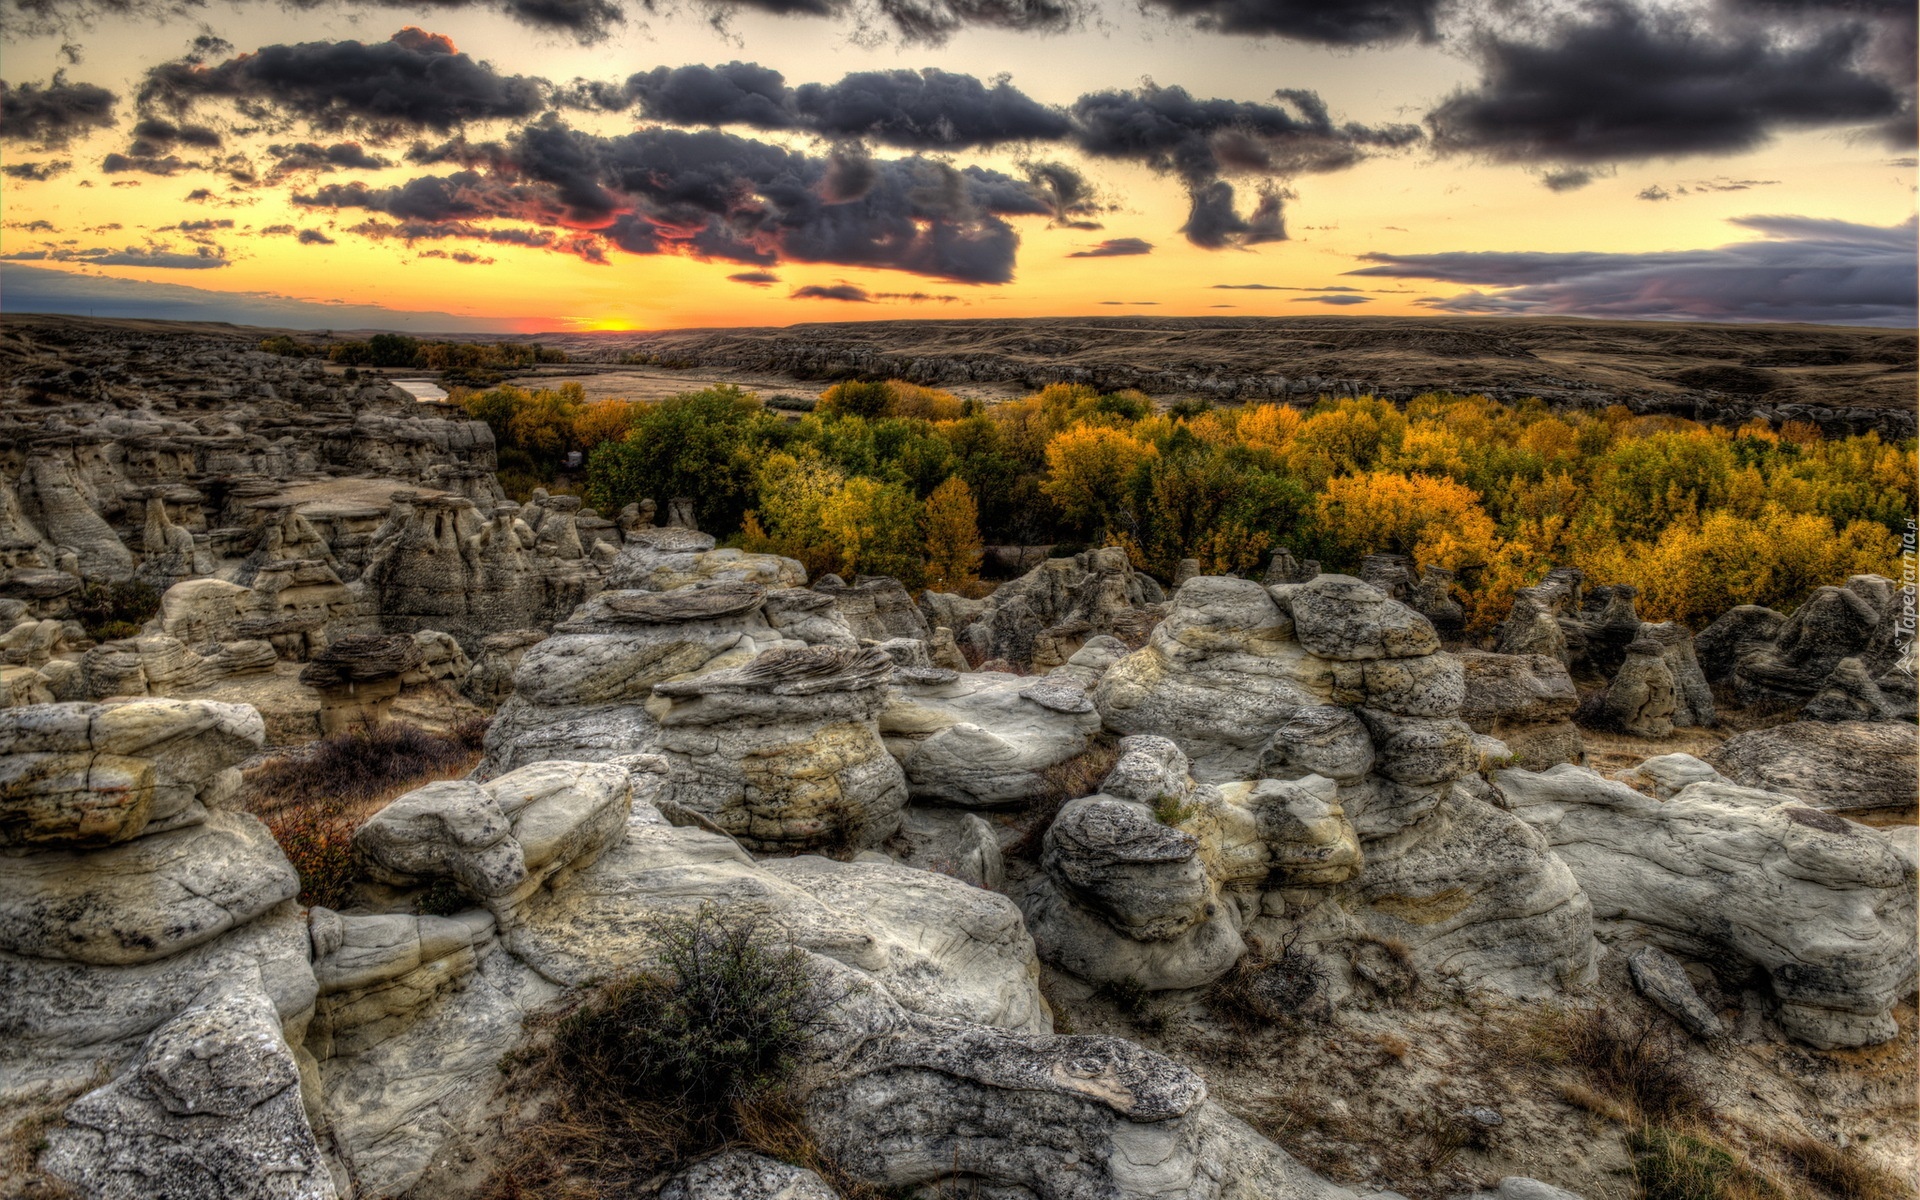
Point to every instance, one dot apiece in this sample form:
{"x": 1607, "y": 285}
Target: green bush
{"x": 706, "y": 445}
{"x": 723, "y": 1021}
{"x": 114, "y": 610}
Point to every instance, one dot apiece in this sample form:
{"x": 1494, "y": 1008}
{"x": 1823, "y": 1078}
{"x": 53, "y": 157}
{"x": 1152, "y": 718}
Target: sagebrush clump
{"x": 699, "y": 1051}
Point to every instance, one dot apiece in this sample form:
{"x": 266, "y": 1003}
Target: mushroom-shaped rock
{"x": 1124, "y": 897}
{"x": 1218, "y": 676}
{"x": 1341, "y": 618}
{"x": 1832, "y": 624}
{"x": 1525, "y": 700}
{"x": 784, "y": 752}
{"x": 1640, "y": 698}
{"x": 358, "y": 677}
{"x": 1745, "y": 627}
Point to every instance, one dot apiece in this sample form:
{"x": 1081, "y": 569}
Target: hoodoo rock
{"x": 1342, "y": 694}
{"x": 784, "y": 752}
{"x": 1824, "y": 906}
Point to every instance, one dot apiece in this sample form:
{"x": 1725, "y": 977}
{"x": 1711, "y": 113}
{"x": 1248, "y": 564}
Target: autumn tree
{"x": 953, "y": 536}
{"x": 1091, "y": 472}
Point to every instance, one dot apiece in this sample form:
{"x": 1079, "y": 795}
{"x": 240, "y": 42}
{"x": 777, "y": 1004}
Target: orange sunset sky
{"x": 582, "y": 165}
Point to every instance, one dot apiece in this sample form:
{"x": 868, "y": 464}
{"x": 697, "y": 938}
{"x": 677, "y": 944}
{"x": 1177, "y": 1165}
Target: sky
{"x": 527, "y": 165}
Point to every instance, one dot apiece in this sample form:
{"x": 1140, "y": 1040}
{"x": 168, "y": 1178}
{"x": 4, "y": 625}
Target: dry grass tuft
{"x": 1671, "y": 1165}
{"x": 314, "y": 798}
{"x": 1638, "y": 1063}
{"x": 1078, "y": 776}
{"x": 1270, "y": 987}
{"x": 1841, "y": 1173}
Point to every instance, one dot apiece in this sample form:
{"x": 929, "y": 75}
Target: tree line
{"x": 892, "y": 478}
{"x": 473, "y": 362}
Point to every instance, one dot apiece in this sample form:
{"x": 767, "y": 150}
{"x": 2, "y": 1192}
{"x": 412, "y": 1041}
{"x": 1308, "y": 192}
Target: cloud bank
{"x": 1798, "y": 269}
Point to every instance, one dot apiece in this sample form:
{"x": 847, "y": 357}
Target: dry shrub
{"x": 362, "y": 765}
{"x": 1076, "y": 777}
{"x": 313, "y": 799}
{"x": 1640, "y": 1063}
{"x": 661, "y": 1067}
{"x": 1268, "y": 987}
{"x": 1840, "y": 1172}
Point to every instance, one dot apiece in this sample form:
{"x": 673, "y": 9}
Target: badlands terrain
{"x": 367, "y": 833}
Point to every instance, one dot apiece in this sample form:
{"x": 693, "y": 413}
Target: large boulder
{"x": 1640, "y": 699}
{"x": 875, "y": 607}
{"x": 1219, "y": 675}
{"x": 1527, "y": 701}
{"x": 210, "y": 1106}
{"x": 1050, "y": 612}
{"x": 983, "y": 739}
{"x": 1837, "y": 765}
{"x": 1824, "y": 906}
{"x": 439, "y": 563}
{"x": 582, "y": 694}
{"x": 500, "y": 841}
{"x": 662, "y": 558}
{"x": 1834, "y": 623}
{"x": 1381, "y": 773}
{"x": 137, "y": 907}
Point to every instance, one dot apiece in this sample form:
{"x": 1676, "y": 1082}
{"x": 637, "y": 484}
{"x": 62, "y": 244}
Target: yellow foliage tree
{"x": 953, "y": 536}
{"x": 873, "y": 527}
{"x": 603, "y": 421}
{"x": 1089, "y": 470}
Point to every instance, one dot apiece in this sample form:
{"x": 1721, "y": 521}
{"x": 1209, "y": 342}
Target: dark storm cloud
{"x": 587, "y": 20}
{"x": 1328, "y": 22}
{"x": 928, "y": 109}
{"x": 839, "y": 291}
{"x": 1115, "y": 248}
{"x": 206, "y": 257}
{"x": 146, "y": 164}
{"x": 1200, "y": 141}
{"x": 35, "y": 172}
{"x": 311, "y": 156}
{"x": 152, "y": 131}
{"x": 934, "y": 21}
{"x": 414, "y": 80}
{"x": 715, "y": 195}
{"x": 929, "y": 22}
{"x": 1800, "y": 269}
{"x": 53, "y": 113}
{"x": 1624, "y": 84}
{"x": 1571, "y": 179}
